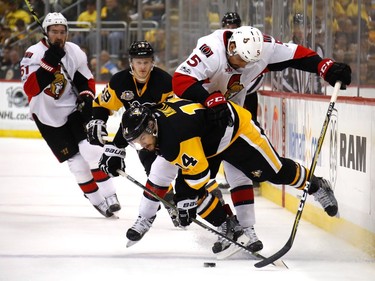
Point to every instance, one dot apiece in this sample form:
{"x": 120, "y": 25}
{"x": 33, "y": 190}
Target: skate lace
{"x": 142, "y": 224}
{"x": 323, "y": 197}
{"x": 250, "y": 232}
{"x": 223, "y": 229}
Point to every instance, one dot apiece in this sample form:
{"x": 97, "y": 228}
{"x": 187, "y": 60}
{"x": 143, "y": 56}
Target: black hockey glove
{"x": 84, "y": 105}
{"x": 335, "y": 71}
{"x": 218, "y": 111}
{"x": 52, "y": 57}
{"x": 187, "y": 210}
{"x": 112, "y": 160}
{"x": 96, "y": 130}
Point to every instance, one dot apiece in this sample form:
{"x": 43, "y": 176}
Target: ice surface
{"x": 49, "y": 231}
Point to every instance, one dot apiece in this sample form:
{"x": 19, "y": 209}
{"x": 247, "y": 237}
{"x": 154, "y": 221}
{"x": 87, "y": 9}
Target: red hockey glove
{"x": 335, "y": 71}
{"x": 217, "y": 110}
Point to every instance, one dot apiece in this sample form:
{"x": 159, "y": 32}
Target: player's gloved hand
{"x": 84, "y": 104}
{"x": 187, "y": 210}
{"x": 335, "y": 71}
{"x": 112, "y": 160}
{"x": 52, "y": 57}
{"x": 218, "y": 110}
{"x": 96, "y": 130}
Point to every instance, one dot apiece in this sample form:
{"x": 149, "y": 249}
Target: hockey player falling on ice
{"x": 141, "y": 83}
{"x": 220, "y": 69}
{"x": 53, "y": 106}
{"x": 190, "y": 148}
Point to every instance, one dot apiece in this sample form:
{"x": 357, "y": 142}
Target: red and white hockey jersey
{"x": 208, "y": 63}
{"x": 56, "y": 101}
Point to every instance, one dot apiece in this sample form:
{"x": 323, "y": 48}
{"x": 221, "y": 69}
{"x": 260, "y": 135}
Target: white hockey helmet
{"x": 53, "y": 19}
{"x": 249, "y": 43}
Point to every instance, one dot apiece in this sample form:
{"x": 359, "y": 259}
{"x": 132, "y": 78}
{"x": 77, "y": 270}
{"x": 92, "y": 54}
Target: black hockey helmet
{"x": 231, "y": 18}
{"x": 135, "y": 121}
{"x": 141, "y": 49}
{"x": 299, "y": 19}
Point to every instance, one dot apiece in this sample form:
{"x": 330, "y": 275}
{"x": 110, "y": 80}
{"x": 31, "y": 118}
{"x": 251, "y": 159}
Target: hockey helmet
{"x": 141, "y": 49}
{"x": 249, "y": 43}
{"x": 53, "y": 19}
{"x": 299, "y": 19}
{"x": 231, "y": 18}
{"x": 135, "y": 121}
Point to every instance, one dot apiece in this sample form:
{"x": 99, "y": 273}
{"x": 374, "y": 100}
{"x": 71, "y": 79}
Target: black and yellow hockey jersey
{"x": 124, "y": 90}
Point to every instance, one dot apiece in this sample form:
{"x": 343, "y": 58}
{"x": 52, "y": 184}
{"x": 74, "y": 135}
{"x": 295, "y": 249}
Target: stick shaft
{"x": 288, "y": 245}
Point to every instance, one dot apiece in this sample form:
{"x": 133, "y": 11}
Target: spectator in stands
{"x": 93, "y": 63}
{"x": 12, "y": 71}
{"x": 113, "y": 12}
{"x": 342, "y": 48}
{"x": 15, "y": 12}
{"x": 4, "y": 61}
{"x": 89, "y": 15}
{"x": 108, "y": 67}
{"x": 153, "y": 10}
{"x": 6, "y": 35}
{"x": 294, "y": 80}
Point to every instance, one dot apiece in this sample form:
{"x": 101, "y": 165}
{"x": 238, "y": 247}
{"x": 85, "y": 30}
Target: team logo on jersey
{"x": 57, "y": 87}
{"x": 234, "y": 86}
{"x": 127, "y": 95}
{"x": 257, "y": 173}
{"x": 185, "y": 69}
{"x": 206, "y": 50}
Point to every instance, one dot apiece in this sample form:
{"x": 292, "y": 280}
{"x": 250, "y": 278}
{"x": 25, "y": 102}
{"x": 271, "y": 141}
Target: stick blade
{"x": 272, "y": 259}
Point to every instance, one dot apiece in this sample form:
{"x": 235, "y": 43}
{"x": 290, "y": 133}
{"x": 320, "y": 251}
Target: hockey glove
{"x": 112, "y": 160}
{"x": 217, "y": 110}
{"x": 187, "y": 210}
{"x": 84, "y": 104}
{"x": 335, "y": 71}
{"x": 52, "y": 57}
{"x": 96, "y": 130}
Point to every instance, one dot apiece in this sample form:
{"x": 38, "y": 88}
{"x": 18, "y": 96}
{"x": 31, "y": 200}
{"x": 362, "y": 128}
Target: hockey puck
{"x": 209, "y": 264}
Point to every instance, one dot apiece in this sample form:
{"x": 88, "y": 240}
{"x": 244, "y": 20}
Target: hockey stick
{"x": 201, "y": 224}
{"x": 35, "y": 16}
{"x": 292, "y": 236}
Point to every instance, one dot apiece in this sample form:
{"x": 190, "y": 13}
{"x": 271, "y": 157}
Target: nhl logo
{"x": 127, "y": 95}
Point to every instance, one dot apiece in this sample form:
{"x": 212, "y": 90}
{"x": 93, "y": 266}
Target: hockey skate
{"x": 103, "y": 208}
{"x": 323, "y": 193}
{"x": 249, "y": 239}
{"x": 113, "y": 203}
{"x": 231, "y": 229}
{"x": 138, "y": 230}
{"x": 253, "y": 244}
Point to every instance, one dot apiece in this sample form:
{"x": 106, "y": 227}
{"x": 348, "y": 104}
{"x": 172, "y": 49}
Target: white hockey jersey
{"x": 208, "y": 62}
{"x": 54, "y": 103}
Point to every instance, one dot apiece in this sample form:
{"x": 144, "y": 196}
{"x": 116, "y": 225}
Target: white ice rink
{"x": 49, "y": 231}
